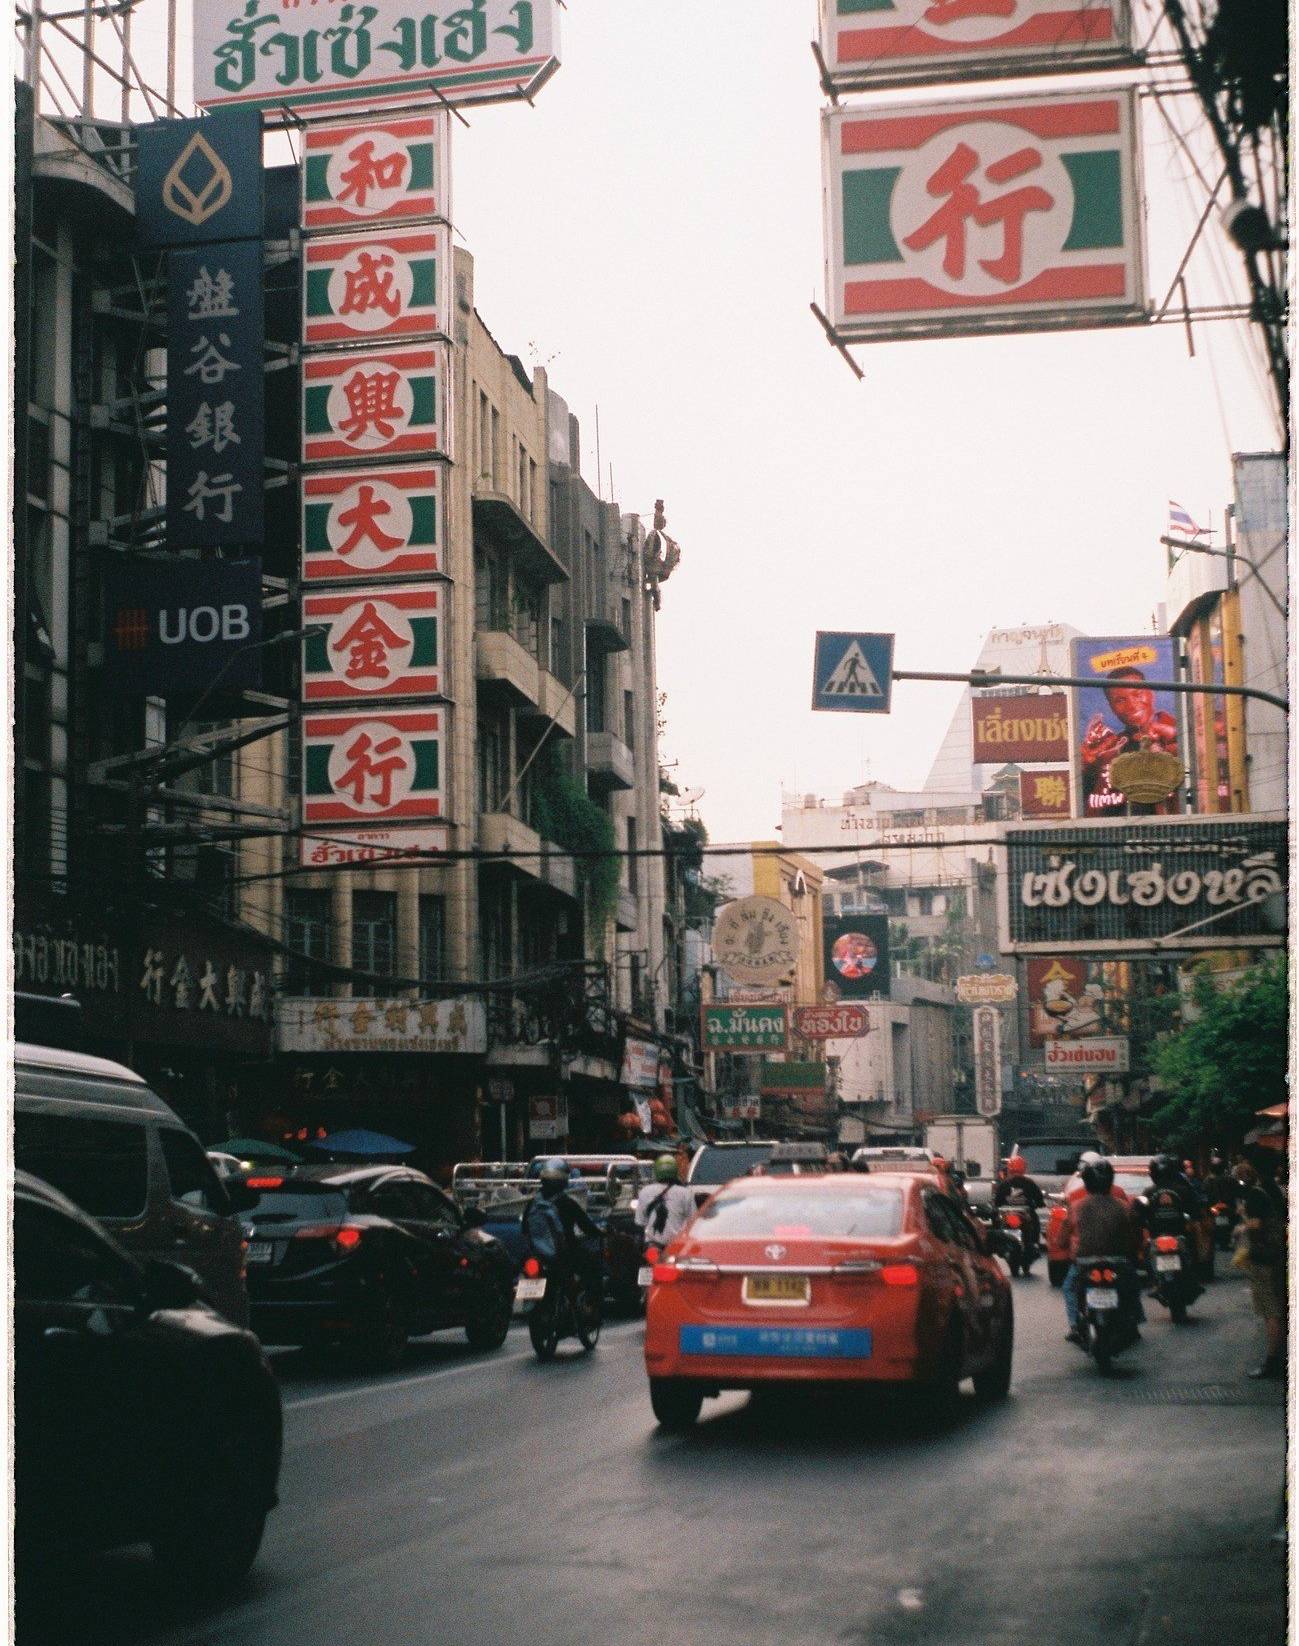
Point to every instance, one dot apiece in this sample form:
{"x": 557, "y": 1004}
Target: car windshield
{"x": 862, "y": 1215}
{"x": 301, "y": 1202}
{"x": 1051, "y": 1159}
{"x": 721, "y": 1165}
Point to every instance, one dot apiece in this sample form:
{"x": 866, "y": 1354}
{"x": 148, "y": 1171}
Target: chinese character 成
{"x": 369, "y": 640}
{"x": 363, "y": 517}
{"x": 372, "y": 762}
{"x": 211, "y": 297}
{"x": 368, "y": 171}
{"x": 371, "y": 403}
{"x": 208, "y": 488}
{"x": 213, "y": 426}
{"x": 211, "y": 366}
{"x": 369, "y": 286}
{"x": 964, "y": 203}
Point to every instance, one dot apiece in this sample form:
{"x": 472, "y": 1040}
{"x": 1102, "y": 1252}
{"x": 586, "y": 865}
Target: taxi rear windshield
{"x": 870, "y": 1213}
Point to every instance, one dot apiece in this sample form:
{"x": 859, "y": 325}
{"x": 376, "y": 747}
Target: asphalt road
{"x": 488, "y": 1501}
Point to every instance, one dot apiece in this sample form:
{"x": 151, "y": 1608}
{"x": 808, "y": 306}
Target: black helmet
{"x": 553, "y": 1176}
{"x": 1098, "y": 1176}
{"x": 1164, "y": 1170}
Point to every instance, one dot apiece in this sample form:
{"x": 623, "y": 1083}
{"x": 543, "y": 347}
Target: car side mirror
{"x": 170, "y": 1286}
{"x": 240, "y": 1196}
{"x": 474, "y": 1217}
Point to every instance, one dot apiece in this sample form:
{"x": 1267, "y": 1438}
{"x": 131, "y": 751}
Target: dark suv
{"x": 371, "y": 1256}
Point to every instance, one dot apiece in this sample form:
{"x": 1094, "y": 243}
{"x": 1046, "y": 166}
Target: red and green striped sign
{"x": 881, "y": 42}
{"x": 382, "y": 285}
{"x": 372, "y": 643}
{"x": 383, "y": 765}
{"x": 370, "y": 523}
{"x": 376, "y": 171}
{"x": 983, "y": 216}
{"x": 375, "y": 404}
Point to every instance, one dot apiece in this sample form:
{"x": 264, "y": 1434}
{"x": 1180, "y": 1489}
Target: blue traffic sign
{"x": 853, "y": 672}
{"x": 986, "y": 962}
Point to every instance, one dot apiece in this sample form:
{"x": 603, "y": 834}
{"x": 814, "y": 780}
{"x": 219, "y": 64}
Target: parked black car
{"x": 371, "y": 1256}
{"x": 140, "y": 1413}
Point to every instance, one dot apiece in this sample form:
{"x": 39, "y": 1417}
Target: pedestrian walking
{"x": 1262, "y": 1255}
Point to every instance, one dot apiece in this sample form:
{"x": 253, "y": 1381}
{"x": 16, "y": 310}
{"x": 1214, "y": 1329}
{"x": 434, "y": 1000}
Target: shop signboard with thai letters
{"x": 951, "y": 219}
{"x": 1145, "y": 885}
{"x": 845, "y": 1021}
{"x": 1100, "y": 1055}
{"x": 548, "y": 1117}
{"x": 199, "y": 181}
{"x": 454, "y": 1028}
{"x": 216, "y": 410}
{"x": 1027, "y": 730}
{"x": 334, "y": 845}
{"x": 176, "y": 624}
{"x": 368, "y": 524}
{"x": 744, "y": 1029}
{"x": 791, "y": 1079}
{"x": 384, "y": 54}
{"x": 376, "y": 404}
{"x": 363, "y": 172}
{"x": 755, "y": 940}
{"x": 377, "y": 285}
{"x": 986, "y": 989}
{"x": 1046, "y": 794}
{"x": 377, "y": 768}
{"x": 877, "y": 43}
{"x": 640, "y": 1064}
{"x": 987, "y": 1060}
{"x": 380, "y": 643}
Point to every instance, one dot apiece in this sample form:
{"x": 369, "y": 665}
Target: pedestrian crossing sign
{"x": 853, "y": 672}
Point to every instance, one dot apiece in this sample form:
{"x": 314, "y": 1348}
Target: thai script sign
{"x": 729, "y": 1028}
{"x": 867, "y": 43}
{"x": 1121, "y": 713}
{"x": 384, "y": 766}
{"x": 385, "y": 285}
{"x": 369, "y": 523}
{"x": 173, "y": 625}
{"x": 755, "y": 940}
{"x": 948, "y": 218}
{"x": 380, "y": 644}
{"x": 376, "y": 405}
{"x": 347, "y": 845}
{"x": 986, "y": 989}
{"x": 1088, "y": 1056}
{"x": 1046, "y": 794}
{"x": 198, "y": 181}
{"x": 455, "y": 1028}
{"x": 841, "y": 1022}
{"x": 1142, "y": 884}
{"x": 856, "y": 956}
{"x": 792, "y": 1079}
{"x": 640, "y": 1064}
{"x": 987, "y": 1060}
{"x": 1027, "y": 730}
{"x": 266, "y": 54}
{"x": 216, "y": 410}
{"x": 376, "y": 171}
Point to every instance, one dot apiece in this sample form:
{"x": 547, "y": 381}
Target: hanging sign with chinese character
{"x": 364, "y": 404}
{"x": 1016, "y": 215}
{"x": 381, "y": 644}
{"x": 376, "y": 171}
{"x": 392, "y": 285}
{"x": 216, "y": 412}
{"x": 180, "y": 625}
{"x": 987, "y": 1060}
{"x": 453, "y": 1028}
{"x": 868, "y": 43}
{"x": 379, "y": 767}
{"x": 385, "y": 53}
{"x": 369, "y": 524}
{"x": 1045, "y": 794}
{"x": 1025, "y": 730}
{"x": 199, "y": 181}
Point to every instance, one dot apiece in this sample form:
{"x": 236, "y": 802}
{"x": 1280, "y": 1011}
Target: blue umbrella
{"x": 359, "y": 1141}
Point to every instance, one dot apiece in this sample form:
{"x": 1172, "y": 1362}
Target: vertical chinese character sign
{"x": 373, "y": 769}
{"x": 394, "y": 284}
{"x": 366, "y": 645}
{"x": 987, "y": 1060}
{"x": 215, "y": 396}
{"x": 1002, "y": 215}
{"x": 370, "y": 524}
{"x": 375, "y": 404}
{"x": 376, "y": 171}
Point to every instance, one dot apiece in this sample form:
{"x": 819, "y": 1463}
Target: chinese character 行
{"x": 964, "y": 203}
{"x": 368, "y": 171}
{"x": 372, "y": 761}
{"x": 369, "y": 640}
{"x": 151, "y": 981}
{"x": 206, "y": 489}
{"x": 369, "y": 286}
{"x": 211, "y": 366}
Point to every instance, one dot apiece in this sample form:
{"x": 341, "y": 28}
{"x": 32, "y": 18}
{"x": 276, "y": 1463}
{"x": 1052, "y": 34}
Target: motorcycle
{"x": 1021, "y": 1231}
{"x": 556, "y": 1310}
{"x": 1105, "y": 1323}
{"x": 1223, "y": 1224}
{"x": 1174, "y": 1282}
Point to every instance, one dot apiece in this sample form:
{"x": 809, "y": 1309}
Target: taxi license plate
{"x": 1168, "y": 1265}
{"x": 1102, "y": 1297}
{"x": 260, "y": 1251}
{"x": 790, "y": 1290}
{"x": 644, "y": 1275}
{"x": 528, "y": 1291}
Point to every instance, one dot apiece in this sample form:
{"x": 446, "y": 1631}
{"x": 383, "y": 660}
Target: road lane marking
{"x": 441, "y": 1374}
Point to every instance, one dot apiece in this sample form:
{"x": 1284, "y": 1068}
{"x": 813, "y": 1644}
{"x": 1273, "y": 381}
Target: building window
{"x": 432, "y": 936}
{"x": 633, "y": 862}
{"x": 309, "y": 932}
{"x": 596, "y": 691}
{"x": 528, "y": 619}
{"x": 374, "y": 938}
{"x": 626, "y": 617}
{"x": 491, "y": 583}
{"x": 484, "y": 438}
{"x": 491, "y": 765}
{"x": 532, "y": 490}
{"x": 496, "y": 448}
{"x": 557, "y": 647}
{"x": 629, "y": 719}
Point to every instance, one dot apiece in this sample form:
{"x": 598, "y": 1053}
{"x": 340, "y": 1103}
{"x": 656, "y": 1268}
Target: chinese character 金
{"x": 369, "y": 640}
{"x": 363, "y": 517}
{"x": 368, "y": 171}
{"x": 211, "y": 297}
{"x": 213, "y": 426}
{"x": 219, "y": 488}
{"x": 964, "y": 203}
{"x": 211, "y": 366}
{"x": 369, "y": 286}
{"x": 371, "y": 403}
{"x": 372, "y": 762}
{"x": 182, "y": 981}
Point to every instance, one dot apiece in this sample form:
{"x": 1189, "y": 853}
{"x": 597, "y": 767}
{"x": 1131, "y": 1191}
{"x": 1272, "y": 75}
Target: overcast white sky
{"x": 651, "y": 232}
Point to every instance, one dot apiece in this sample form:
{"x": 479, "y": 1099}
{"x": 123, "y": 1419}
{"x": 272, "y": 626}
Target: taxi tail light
{"x": 665, "y": 1274}
{"x": 531, "y": 1268}
{"x": 1012, "y": 1220}
{"x": 652, "y": 1254}
{"x": 347, "y": 1239}
{"x": 900, "y": 1274}
{"x": 264, "y": 1182}
{"x": 1166, "y": 1243}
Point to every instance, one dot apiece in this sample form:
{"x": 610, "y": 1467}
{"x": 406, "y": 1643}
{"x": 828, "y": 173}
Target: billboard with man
{"x": 1121, "y": 714}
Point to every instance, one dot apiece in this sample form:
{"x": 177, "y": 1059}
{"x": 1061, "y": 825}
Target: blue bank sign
{"x": 173, "y": 626}
{"x": 199, "y": 180}
{"x": 853, "y": 672}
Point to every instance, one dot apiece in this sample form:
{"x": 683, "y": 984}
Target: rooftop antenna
{"x": 599, "y": 468}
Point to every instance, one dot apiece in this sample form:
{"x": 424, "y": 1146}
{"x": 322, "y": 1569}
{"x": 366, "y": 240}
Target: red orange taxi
{"x": 842, "y": 1278}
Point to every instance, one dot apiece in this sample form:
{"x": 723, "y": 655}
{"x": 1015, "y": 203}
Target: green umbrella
{"x": 252, "y": 1148}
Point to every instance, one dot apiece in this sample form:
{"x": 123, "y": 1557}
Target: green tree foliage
{"x": 1228, "y": 1061}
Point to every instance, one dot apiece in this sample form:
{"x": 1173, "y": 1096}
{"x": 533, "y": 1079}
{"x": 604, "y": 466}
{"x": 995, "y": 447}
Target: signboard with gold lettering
{"x": 1025, "y": 730}
{"x": 451, "y": 1027}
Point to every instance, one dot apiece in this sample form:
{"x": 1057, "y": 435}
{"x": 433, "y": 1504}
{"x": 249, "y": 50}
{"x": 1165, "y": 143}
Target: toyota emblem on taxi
{"x": 775, "y": 1253}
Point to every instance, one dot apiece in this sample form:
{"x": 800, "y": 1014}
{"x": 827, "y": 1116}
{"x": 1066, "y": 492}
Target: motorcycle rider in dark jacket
{"x": 1017, "y": 1188}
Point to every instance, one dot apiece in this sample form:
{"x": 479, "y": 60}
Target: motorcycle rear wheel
{"x": 543, "y": 1329}
{"x": 1102, "y": 1348}
{"x": 587, "y": 1315}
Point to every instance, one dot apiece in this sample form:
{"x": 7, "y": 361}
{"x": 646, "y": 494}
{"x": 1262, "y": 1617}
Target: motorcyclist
{"x": 1170, "y": 1205}
{"x": 1098, "y": 1225}
{"x": 555, "y": 1224}
{"x": 664, "y": 1209}
{"x": 1220, "y": 1186}
{"x": 1018, "y": 1189}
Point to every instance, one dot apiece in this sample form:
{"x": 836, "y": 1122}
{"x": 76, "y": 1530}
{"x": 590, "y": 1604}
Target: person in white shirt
{"x": 665, "y": 1207}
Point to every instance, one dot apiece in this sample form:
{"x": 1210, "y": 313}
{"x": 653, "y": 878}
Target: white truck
{"x": 967, "y": 1140}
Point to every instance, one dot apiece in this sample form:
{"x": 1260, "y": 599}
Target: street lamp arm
{"x": 976, "y": 678}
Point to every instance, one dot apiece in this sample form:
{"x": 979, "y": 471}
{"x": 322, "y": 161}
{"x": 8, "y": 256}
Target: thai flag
{"x": 1180, "y": 523}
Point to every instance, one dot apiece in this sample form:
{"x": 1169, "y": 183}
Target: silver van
{"x": 95, "y": 1131}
